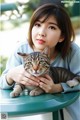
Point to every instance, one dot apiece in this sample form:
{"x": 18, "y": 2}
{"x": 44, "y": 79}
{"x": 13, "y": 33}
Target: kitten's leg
{"x": 72, "y": 83}
{"x": 18, "y": 88}
{"x": 36, "y": 91}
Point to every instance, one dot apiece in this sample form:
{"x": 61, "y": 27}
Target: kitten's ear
{"x": 23, "y": 55}
{"x": 46, "y": 51}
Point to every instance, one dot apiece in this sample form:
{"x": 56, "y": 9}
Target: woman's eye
{"x": 37, "y": 24}
{"x": 52, "y": 27}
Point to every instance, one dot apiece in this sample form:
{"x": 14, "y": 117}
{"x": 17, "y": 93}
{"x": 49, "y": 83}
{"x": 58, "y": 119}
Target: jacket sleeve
{"x": 66, "y": 88}
{"x": 13, "y": 61}
{"x": 74, "y": 66}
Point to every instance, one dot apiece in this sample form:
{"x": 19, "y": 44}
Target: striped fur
{"x": 37, "y": 64}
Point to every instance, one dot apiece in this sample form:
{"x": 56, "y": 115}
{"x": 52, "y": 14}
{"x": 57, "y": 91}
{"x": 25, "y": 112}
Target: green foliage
{"x": 72, "y": 7}
{"x": 76, "y": 22}
{"x": 30, "y": 7}
{"x": 2, "y": 63}
{"x": 2, "y": 1}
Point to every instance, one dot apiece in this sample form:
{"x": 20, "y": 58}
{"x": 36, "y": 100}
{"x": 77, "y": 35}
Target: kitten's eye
{"x": 40, "y": 62}
{"x": 42, "y": 59}
{"x": 28, "y": 63}
{"x": 44, "y": 63}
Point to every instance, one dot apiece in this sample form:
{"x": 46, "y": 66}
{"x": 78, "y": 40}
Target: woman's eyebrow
{"x": 39, "y": 21}
{"x": 53, "y": 23}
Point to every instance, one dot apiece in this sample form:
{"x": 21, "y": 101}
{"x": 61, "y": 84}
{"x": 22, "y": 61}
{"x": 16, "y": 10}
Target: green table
{"x": 27, "y": 105}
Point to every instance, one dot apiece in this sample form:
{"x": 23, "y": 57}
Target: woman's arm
{"x": 13, "y": 61}
{"x": 15, "y": 72}
{"x": 47, "y": 84}
{"x": 19, "y": 75}
{"x": 74, "y": 66}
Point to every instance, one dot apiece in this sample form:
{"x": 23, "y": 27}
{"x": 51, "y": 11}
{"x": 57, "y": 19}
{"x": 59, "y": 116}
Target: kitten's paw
{"x": 36, "y": 92}
{"x": 14, "y": 94}
{"x": 72, "y": 83}
{"x": 33, "y": 93}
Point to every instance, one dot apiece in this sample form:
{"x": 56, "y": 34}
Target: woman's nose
{"x": 42, "y": 32}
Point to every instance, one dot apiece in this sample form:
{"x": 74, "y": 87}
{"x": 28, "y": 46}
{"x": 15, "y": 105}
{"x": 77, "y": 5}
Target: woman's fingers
{"x": 28, "y": 79}
{"x": 46, "y": 83}
{"x": 46, "y": 79}
{"x": 31, "y": 78}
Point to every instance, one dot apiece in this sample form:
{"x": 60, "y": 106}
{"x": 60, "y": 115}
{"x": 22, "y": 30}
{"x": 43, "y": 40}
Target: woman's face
{"x": 46, "y": 34}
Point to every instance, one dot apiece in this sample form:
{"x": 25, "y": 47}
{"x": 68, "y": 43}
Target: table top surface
{"x": 26, "y": 104}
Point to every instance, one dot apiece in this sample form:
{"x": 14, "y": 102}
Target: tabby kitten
{"x": 37, "y": 64}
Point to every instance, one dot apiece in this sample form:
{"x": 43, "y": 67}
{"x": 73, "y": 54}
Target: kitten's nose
{"x": 35, "y": 67}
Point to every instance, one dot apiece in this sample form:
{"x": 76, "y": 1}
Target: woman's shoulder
{"x": 74, "y": 53}
{"x": 75, "y": 47}
{"x": 23, "y": 47}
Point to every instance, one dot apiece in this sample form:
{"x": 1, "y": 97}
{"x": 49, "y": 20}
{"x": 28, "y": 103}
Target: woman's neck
{"x": 53, "y": 54}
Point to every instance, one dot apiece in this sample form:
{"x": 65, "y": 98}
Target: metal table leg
{"x": 55, "y": 115}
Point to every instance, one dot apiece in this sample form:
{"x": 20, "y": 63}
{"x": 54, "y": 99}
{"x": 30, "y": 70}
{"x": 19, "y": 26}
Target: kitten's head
{"x": 36, "y": 63}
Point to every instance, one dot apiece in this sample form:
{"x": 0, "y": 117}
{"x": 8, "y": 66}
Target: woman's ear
{"x": 61, "y": 39}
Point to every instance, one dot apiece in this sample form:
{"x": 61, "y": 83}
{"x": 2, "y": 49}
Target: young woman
{"x": 49, "y": 26}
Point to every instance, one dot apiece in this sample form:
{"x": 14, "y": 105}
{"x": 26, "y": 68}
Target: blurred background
{"x": 14, "y": 22}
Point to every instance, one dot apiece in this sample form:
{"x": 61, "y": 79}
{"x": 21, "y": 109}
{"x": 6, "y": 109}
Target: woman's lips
{"x": 40, "y": 41}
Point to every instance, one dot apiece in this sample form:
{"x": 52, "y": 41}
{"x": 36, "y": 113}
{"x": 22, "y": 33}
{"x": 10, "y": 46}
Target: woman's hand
{"x": 19, "y": 75}
{"x": 47, "y": 84}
